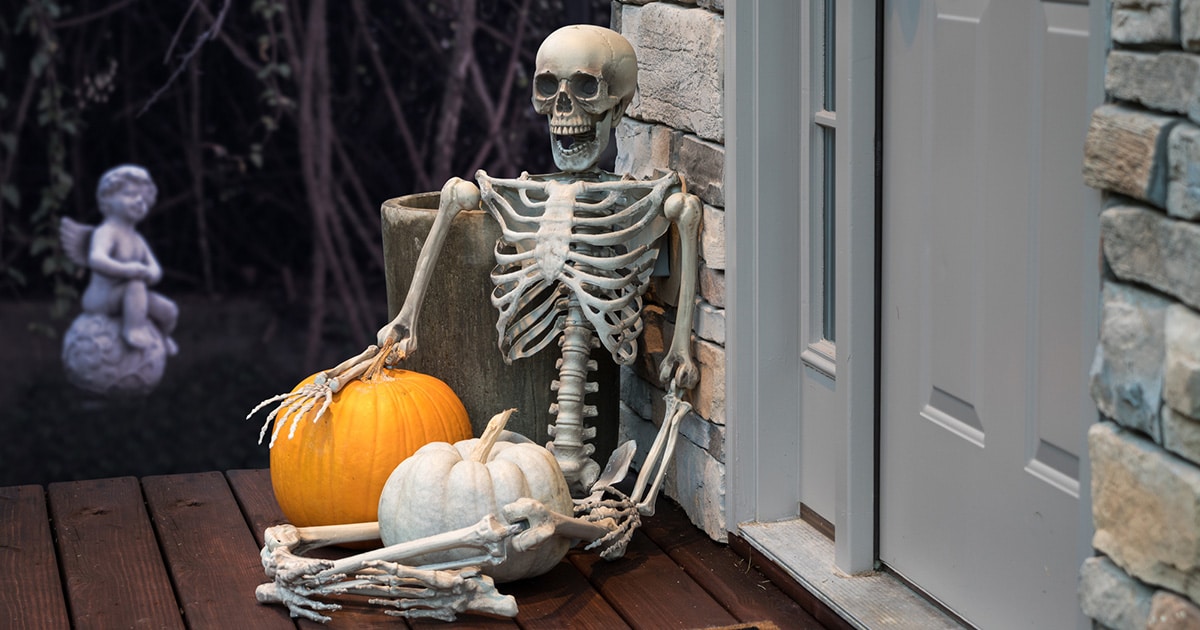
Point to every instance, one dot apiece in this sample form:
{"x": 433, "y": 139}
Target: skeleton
{"x": 576, "y": 252}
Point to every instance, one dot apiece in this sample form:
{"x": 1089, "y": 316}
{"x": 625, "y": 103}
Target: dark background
{"x": 274, "y": 130}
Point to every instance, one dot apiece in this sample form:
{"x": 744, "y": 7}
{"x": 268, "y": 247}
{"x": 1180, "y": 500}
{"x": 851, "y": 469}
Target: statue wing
{"x": 76, "y": 238}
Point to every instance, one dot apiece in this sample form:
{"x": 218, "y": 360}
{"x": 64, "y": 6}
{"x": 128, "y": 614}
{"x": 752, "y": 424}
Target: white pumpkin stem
{"x": 490, "y": 434}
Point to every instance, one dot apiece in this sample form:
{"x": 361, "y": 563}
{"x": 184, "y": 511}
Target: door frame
{"x": 763, "y": 277}
{"x": 763, "y": 339}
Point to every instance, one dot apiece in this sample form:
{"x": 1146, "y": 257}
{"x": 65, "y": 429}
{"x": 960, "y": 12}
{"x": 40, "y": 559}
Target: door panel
{"x": 983, "y": 362}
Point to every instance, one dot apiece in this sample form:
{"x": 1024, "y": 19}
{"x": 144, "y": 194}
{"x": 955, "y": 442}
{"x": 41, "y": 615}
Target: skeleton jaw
{"x": 578, "y": 147}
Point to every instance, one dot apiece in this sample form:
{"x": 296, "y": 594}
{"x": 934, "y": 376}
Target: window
{"x": 820, "y": 111}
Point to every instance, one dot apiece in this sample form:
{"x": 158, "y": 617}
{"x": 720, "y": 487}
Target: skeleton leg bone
{"x": 440, "y": 591}
{"x": 622, "y": 515}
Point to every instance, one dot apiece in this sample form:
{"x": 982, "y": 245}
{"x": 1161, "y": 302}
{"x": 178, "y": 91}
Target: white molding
{"x": 763, "y": 278}
{"x": 855, "y": 308}
{"x": 763, "y": 345}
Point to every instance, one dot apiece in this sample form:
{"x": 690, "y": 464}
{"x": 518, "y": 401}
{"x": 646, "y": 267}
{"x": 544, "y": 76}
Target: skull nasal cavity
{"x": 563, "y": 104}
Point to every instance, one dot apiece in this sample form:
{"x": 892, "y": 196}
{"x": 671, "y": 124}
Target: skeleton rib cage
{"x": 561, "y": 242}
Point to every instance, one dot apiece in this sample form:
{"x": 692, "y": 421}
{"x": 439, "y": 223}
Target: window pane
{"x": 828, "y": 222}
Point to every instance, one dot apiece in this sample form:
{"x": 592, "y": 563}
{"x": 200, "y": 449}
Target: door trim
{"x": 763, "y": 349}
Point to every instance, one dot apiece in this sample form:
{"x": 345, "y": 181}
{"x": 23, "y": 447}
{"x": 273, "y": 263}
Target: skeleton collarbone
{"x": 587, "y": 239}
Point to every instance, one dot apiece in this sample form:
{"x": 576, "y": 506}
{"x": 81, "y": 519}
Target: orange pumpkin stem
{"x": 377, "y": 365}
{"x": 490, "y": 435}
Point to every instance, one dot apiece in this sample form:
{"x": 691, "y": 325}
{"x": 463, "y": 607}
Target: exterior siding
{"x": 676, "y": 122}
{"x": 1145, "y": 453}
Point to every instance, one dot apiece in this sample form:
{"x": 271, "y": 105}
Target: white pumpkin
{"x": 444, "y": 487}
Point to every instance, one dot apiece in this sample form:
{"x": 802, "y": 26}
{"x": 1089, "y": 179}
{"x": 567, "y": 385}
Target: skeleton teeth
{"x": 570, "y": 130}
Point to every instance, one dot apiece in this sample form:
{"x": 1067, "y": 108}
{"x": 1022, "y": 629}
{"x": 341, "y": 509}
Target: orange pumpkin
{"x": 332, "y": 471}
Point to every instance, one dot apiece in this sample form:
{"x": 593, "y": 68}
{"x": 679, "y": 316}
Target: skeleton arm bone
{"x": 457, "y": 195}
{"x": 685, "y": 211}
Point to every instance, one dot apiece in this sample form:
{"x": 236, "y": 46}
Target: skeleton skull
{"x": 584, "y": 80}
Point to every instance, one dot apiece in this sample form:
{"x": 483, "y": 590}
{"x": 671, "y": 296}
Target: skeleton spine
{"x": 568, "y": 430}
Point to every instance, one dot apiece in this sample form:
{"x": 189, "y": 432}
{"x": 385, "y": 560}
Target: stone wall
{"x": 676, "y": 122}
{"x": 1143, "y": 148}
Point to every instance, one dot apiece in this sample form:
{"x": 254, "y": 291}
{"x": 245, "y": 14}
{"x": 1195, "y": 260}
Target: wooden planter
{"x": 457, "y": 329}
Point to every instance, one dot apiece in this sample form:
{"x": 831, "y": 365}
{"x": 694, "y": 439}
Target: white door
{"x": 986, "y": 267}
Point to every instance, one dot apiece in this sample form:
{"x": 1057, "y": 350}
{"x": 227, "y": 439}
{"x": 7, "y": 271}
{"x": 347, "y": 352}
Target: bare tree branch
{"x": 207, "y": 35}
{"x": 389, "y": 93}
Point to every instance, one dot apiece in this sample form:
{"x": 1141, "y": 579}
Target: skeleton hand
{"x": 620, "y": 516}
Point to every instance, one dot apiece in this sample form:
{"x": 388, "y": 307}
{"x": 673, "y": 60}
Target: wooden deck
{"x": 181, "y": 551}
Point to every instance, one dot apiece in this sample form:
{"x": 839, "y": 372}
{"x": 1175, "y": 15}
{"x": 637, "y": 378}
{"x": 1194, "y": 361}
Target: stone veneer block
{"x": 1181, "y": 434}
{"x": 1144, "y": 245}
{"x": 712, "y": 238}
{"x": 707, "y": 435}
{"x": 681, "y": 66}
{"x": 1126, "y": 373}
{"x": 638, "y": 393}
{"x": 642, "y": 148}
{"x": 1169, "y": 611}
{"x": 1183, "y": 174}
{"x": 712, "y": 286}
{"x": 708, "y": 398}
{"x": 1145, "y": 22}
{"x": 1146, "y": 508}
{"x": 1189, "y": 24}
{"x": 702, "y": 165}
{"x": 698, "y": 485}
{"x": 1108, "y": 595}
{"x": 1165, "y": 81}
{"x": 710, "y": 322}
{"x": 1123, "y": 152}
{"x": 1181, "y": 382}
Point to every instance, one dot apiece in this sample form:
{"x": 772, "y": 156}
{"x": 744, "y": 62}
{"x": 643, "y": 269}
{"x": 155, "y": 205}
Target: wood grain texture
{"x": 562, "y": 598}
{"x": 115, "y": 576}
{"x": 810, "y": 602}
{"x": 252, "y": 489}
{"x": 650, "y": 590}
{"x": 748, "y": 594}
{"x": 210, "y": 552}
{"x": 31, "y": 594}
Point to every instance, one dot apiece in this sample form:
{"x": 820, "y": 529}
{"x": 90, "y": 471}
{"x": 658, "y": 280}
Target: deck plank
{"x": 257, "y": 500}
{"x": 650, "y": 590}
{"x": 31, "y": 594}
{"x": 562, "y": 598}
{"x": 210, "y": 552}
{"x": 748, "y": 594}
{"x": 252, "y": 488}
{"x": 115, "y": 576}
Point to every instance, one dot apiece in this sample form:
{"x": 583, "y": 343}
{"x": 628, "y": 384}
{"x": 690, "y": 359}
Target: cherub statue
{"x": 574, "y": 259}
{"x": 120, "y": 342}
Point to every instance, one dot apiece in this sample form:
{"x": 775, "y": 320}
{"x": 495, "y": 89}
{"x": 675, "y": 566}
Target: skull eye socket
{"x": 546, "y": 85}
{"x": 585, "y": 85}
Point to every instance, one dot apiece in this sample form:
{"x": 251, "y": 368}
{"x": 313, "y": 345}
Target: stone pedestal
{"x": 457, "y": 328}
{"x": 97, "y": 359}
